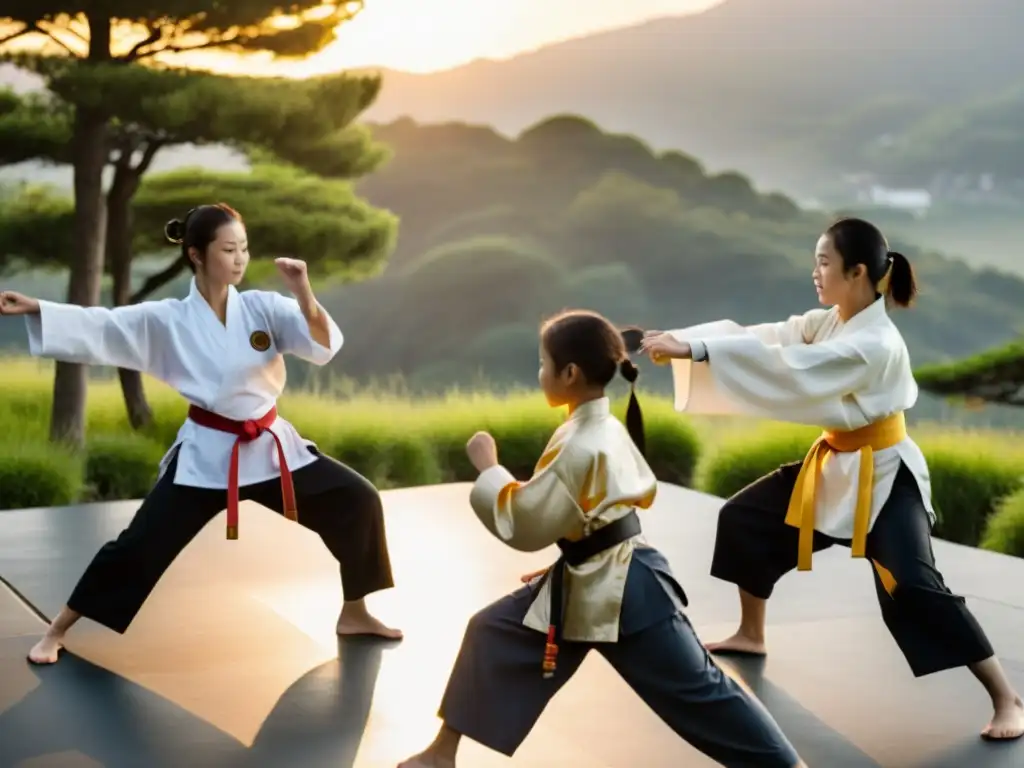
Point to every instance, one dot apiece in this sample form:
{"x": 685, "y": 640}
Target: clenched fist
{"x": 294, "y": 274}
{"x": 13, "y": 303}
{"x": 482, "y": 451}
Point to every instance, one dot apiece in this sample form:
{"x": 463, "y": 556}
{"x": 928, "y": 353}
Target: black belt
{"x": 577, "y": 553}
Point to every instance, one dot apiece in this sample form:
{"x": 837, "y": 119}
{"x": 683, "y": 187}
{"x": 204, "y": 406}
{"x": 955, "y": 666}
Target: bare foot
{"x": 1007, "y": 722}
{"x": 739, "y": 644}
{"x": 427, "y": 760}
{"x": 46, "y": 651}
{"x": 356, "y": 620}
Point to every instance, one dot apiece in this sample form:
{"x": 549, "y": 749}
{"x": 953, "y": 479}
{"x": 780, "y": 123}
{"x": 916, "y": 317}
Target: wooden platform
{"x": 234, "y": 662}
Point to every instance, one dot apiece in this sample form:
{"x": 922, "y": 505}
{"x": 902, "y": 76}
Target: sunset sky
{"x": 427, "y": 35}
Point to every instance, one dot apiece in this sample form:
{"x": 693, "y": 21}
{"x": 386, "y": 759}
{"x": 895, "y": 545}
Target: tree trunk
{"x": 119, "y": 256}
{"x": 70, "y": 382}
{"x": 89, "y": 149}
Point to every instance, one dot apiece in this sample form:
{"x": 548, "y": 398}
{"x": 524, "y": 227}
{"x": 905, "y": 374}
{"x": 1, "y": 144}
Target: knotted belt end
{"x": 575, "y": 553}
{"x": 550, "y": 653}
{"x": 232, "y": 532}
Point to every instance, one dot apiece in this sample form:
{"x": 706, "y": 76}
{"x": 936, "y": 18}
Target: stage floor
{"x": 234, "y": 661}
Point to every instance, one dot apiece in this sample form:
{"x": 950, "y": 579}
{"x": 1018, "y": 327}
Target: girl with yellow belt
{"x": 864, "y": 482}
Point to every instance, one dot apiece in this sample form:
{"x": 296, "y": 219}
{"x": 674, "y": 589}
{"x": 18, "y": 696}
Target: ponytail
{"x": 634, "y": 416}
{"x": 902, "y": 288}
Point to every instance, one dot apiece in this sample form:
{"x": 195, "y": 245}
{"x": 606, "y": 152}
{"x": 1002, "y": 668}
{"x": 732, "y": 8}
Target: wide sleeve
{"x": 796, "y": 329}
{"x": 803, "y": 383}
{"x": 526, "y": 516}
{"x": 291, "y": 331}
{"x": 130, "y": 337}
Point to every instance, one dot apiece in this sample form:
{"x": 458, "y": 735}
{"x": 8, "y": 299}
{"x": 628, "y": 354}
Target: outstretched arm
{"x": 124, "y": 337}
{"x": 796, "y": 329}
{"x": 802, "y": 383}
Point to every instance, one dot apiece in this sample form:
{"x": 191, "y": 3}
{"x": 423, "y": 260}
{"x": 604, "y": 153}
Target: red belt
{"x": 247, "y": 431}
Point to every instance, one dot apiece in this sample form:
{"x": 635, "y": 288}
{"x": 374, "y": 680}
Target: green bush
{"x": 388, "y": 461}
{"x": 120, "y": 466}
{"x": 968, "y": 482}
{"x": 393, "y": 441}
{"x": 1004, "y": 531}
{"x": 673, "y": 446}
{"x": 739, "y": 462}
{"x": 521, "y": 436}
{"x": 522, "y": 431}
{"x": 38, "y": 475}
{"x": 969, "y": 474}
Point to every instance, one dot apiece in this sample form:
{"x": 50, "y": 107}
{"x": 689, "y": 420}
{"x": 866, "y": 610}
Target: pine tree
{"x": 103, "y": 55}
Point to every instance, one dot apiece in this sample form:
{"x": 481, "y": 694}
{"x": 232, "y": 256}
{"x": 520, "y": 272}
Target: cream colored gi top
{"x": 590, "y": 475}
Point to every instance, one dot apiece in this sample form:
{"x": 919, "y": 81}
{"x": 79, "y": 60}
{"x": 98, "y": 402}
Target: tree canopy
{"x": 128, "y": 32}
{"x": 288, "y": 212}
{"x": 305, "y": 122}
{"x": 993, "y": 376}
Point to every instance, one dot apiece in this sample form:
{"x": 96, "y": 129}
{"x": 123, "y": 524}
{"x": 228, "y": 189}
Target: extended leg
{"x": 670, "y": 670}
{"x": 754, "y": 548}
{"x": 497, "y": 690}
{"x": 124, "y": 572}
{"x": 345, "y": 510}
{"x": 933, "y": 627}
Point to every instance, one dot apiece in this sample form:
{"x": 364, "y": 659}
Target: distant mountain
{"x": 793, "y": 92}
{"x": 787, "y": 90}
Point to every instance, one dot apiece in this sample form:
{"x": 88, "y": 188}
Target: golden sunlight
{"x": 418, "y": 36}
{"x": 412, "y": 35}
{"x": 409, "y": 35}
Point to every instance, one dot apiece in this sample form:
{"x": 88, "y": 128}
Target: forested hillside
{"x": 496, "y": 233}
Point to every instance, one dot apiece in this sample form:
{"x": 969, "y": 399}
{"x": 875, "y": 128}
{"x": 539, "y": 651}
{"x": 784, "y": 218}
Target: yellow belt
{"x": 874, "y": 437}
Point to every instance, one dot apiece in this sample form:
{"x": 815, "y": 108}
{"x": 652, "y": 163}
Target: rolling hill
{"x": 496, "y": 233}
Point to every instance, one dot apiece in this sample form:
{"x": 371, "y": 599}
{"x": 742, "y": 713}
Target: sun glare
{"x": 420, "y": 35}
{"x": 416, "y": 36}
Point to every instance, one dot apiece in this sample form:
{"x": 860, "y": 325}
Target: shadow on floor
{"x": 79, "y": 707}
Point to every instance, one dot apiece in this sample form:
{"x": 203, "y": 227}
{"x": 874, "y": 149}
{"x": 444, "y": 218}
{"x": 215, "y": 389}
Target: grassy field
{"x": 397, "y": 441}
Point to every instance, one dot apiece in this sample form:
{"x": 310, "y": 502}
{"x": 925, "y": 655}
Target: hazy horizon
{"x": 418, "y": 37}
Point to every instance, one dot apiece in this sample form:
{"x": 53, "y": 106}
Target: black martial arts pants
{"x": 497, "y": 692}
{"x": 932, "y": 627}
{"x": 333, "y": 500}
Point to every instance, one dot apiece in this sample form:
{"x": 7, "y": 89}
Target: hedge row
{"x": 393, "y": 442}
{"x": 977, "y": 479}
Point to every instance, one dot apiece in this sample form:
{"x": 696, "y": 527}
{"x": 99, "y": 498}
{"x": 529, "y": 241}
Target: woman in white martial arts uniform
{"x": 222, "y": 350}
{"x": 620, "y": 597}
{"x": 864, "y": 483}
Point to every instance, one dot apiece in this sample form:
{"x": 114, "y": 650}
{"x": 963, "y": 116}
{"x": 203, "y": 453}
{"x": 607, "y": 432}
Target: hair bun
{"x": 628, "y": 370}
{"x": 632, "y": 337}
{"x": 174, "y": 231}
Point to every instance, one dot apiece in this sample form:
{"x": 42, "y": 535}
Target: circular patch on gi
{"x": 260, "y": 341}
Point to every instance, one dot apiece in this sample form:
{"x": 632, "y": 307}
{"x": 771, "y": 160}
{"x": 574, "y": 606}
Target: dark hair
{"x": 596, "y": 347}
{"x": 860, "y": 242}
{"x": 199, "y": 228}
